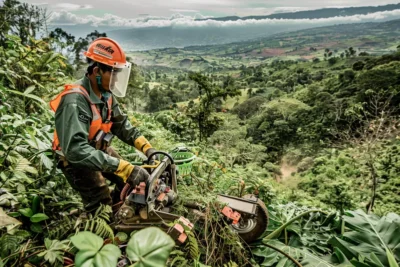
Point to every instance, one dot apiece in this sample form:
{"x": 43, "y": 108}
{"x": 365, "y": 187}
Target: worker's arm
{"x": 123, "y": 129}
{"x": 72, "y": 119}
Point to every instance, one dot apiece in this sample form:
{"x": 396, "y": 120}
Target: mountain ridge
{"x": 315, "y": 14}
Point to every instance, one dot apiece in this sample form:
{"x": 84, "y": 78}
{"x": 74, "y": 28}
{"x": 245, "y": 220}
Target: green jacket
{"x": 73, "y": 118}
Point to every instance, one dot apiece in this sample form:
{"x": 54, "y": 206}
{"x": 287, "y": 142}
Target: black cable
{"x": 162, "y": 153}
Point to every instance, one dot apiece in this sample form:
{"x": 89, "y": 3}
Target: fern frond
{"x": 62, "y": 228}
{"x": 103, "y": 212}
{"x": 103, "y": 229}
{"x": 231, "y": 264}
{"x": 192, "y": 246}
{"x": 100, "y": 227}
{"x": 9, "y": 244}
{"x": 177, "y": 260}
{"x": 99, "y": 223}
{"x": 23, "y": 165}
{"x": 22, "y": 149}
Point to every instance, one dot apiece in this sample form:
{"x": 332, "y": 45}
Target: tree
{"x": 359, "y": 65}
{"x": 316, "y": 60}
{"x": 250, "y": 92}
{"x": 352, "y": 51}
{"x": 203, "y": 112}
{"x": 277, "y": 125}
{"x": 158, "y": 100}
{"x": 332, "y": 60}
{"x": 62, "y": 42}
{"x": 83, "y": 43}
{"x": 376, "y": 117}
{"x": 21, "y": 19}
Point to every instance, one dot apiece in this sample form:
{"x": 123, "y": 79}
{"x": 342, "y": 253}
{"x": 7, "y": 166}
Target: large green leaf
{"x": 39, "y": 217}
{"x": 107, "y": 256}
{"x": 91, "y": 253}
{"x": 87, "y": 241}
{"x": 343, "y": 246}
{"x": 54, "y": 250}
{"x": 149, "y": 247}
{"x": 27, "y": 212}
{"x": 391, "y": 259}
{"x": 371, "y": 234}
{"x": 305, "y": 257}
{"x": 46, "y": 161}
{"x": 34, "y": 97}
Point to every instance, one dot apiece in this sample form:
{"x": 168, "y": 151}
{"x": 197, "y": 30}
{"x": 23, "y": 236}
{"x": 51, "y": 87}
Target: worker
{"x": 87, "y": 117}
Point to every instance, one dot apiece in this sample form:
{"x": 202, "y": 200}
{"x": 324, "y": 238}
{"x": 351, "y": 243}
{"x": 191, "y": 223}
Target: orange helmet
{"x": 107, "y": 51}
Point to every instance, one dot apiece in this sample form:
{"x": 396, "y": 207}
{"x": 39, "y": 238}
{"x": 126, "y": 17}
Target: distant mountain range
{"x": 184, "y": 31}
{"x": 316, "y": 14}
{"x": 220, "y": 32}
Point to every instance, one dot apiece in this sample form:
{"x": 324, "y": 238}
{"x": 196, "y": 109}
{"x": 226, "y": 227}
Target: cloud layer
{"x": 179, "y": 20}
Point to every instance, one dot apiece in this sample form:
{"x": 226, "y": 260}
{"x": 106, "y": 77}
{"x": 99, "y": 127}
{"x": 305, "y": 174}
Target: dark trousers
{"x": 92, "y": 185}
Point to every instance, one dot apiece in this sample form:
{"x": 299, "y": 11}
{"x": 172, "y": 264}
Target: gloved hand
{"x": 133, "y": 175}
{"x": 137, "y": 176}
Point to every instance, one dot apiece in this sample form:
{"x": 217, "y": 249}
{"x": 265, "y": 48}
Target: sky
{"x": 131, "y": 9}
{"x": 177, "y": 17}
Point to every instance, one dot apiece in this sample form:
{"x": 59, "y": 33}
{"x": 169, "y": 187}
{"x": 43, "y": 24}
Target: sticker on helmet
{"x": 106, "y": 48}
{"x": 98, "y": 52}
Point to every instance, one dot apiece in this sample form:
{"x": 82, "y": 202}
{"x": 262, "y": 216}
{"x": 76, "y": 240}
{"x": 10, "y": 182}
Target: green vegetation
{"x": 317, "y": 141}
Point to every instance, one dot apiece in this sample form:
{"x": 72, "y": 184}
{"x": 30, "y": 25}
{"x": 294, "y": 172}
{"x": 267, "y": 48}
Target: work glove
{"x": 133, "y": 175}
{"x": 137, "y": 176}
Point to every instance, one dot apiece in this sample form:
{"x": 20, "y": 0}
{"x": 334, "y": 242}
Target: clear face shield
{"x": 119, "y": 79}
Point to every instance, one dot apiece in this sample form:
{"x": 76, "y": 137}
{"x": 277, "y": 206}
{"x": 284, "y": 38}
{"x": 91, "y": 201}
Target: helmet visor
{"x": 119, "y": 79}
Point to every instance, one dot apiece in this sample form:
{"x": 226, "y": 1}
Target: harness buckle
{"x": 102, "y": 140}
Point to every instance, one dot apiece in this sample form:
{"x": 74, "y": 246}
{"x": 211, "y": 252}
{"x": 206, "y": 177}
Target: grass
{"x": 154, "y": 84}
{"x": 230, "y": 101}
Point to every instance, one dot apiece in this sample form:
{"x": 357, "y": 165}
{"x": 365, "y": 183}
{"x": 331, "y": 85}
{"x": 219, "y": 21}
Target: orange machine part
{"x": 140, "y": 189}
{"x": 233, "y": 215}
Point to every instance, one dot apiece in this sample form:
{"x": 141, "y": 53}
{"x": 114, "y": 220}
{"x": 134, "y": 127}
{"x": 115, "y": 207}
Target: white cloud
{"x": 284, "y": 9}
{"x": 133, "y": 8}
{"x": 184, "y": 10}
{"x": 40, "y": 4}
{"x": 69, "y": 7}
{"x": 179, "y": 20}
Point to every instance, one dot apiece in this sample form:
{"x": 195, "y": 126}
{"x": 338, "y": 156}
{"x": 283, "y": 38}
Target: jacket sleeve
{"x": 123, "y": 129}
{"x": 72, "y": 119}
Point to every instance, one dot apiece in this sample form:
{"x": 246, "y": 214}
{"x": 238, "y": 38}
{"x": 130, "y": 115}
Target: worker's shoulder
{"x": 75, "y": 98}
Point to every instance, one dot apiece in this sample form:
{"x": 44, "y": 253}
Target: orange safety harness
{"x": 97, "y": 123}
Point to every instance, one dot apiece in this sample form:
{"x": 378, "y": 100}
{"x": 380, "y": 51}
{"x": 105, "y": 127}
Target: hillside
{"x": 311, "y": 133}
{"x": 372, "y": 38}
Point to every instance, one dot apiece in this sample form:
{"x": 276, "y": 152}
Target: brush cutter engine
{"x": 152, "y": 204}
